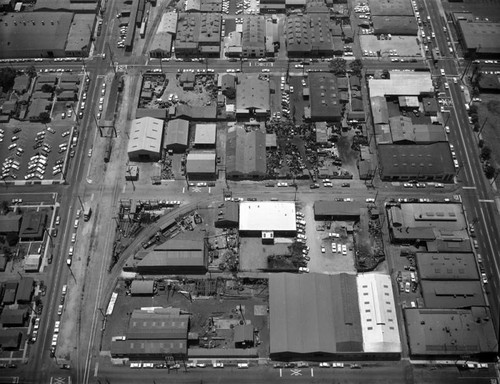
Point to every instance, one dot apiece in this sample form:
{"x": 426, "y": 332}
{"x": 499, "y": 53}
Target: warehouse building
{"x": 430, "y": 162}
{"x": 309, "y": 35}
{"x": 252, "y": 96}
{"x": 253, "y": 37}
{"x": 25, "y": 290}
{"x": 324, "y": 97}
{"x": 205, "y": 136}
{"x": 314, "y": 317}
{"x": 402, "y": 83}
{"x": 467, "y": 334}
{"x": 34, "y": 34}
{"x": 157, "y": 334}
{"x": 481, "y": 39}
{"x": 379, "y": 323}
{"x": 452, "y": 294}
{"x": 447, "y": 266}
{"x": 277, "y": 217}
{"x": 198, "y": 34}
{"x": 177, "y": 135}
{"x": 164, "y": 36}
{"x": 245, "y": 154}
{"x": 200, "y": 165}
{"x": 144, "y": 143}
{"x": 325, "y": 210}
{"x": 395, "y": 25}
{"x": 181, "y": 256}
{"x": 391, "y": 8}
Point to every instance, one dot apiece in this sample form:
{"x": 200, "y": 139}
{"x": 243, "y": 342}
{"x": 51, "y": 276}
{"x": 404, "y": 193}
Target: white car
{"x": 73, "y": 237}
{"x": 303, "y": 269}
{"x": 324, "y": 365}
{"x": 76, "y": 224}
{"x": 56, "y": 326}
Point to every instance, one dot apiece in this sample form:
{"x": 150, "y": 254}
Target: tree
{"x": 4, "y": 207}
{"x": 356, "y": 66}
{"x": 31, "y": 71}
{"x": 485, "y": 153}
{"x": 230, "y": 93}
{"x": 473, "y": 110}
{"x": 44, "y": 117}
{"x": 47, "y": 88}
{"x": 7, "y": 76}
{"x": 338, "y": 66}
{"x": 489, "y": 171}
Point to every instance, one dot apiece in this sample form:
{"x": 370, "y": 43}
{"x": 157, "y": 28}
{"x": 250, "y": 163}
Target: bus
{"x": 87, "y": 213}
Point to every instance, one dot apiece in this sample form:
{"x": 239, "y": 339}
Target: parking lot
{"x": 34, "y": 152}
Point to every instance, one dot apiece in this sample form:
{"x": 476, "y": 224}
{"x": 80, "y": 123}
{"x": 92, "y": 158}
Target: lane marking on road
{"x": 486, "y": 201}
{"x": 469, "y": 187}
{"x": 312, "y": 372}
{"x": 281, "y": 372}
{"x": 296, "y": 372}
{"x": 96, "y": 368}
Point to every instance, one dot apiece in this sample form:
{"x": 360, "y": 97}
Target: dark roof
{"x": 10, "y": 339}
{"x": 324, "y": 96}
{"x": 10, "y": 223}
{"x": 430, "y": 104}
{"x": 207, "y": 113}
{"x": 142, "y": 287}
{"x": 481, "y": 36}
{"x": 177, "y": 132}
{"x": 33, "y": 225}
{"x": 181, "y": 245}
{"x": 25, "y": 290}
{"x": 337, "y": 208}
{"x": 146, "y": 112}
{"x": 447, "y": 266}
{"x": 396, "y": 25}
{"x": 452, "y": 294}
{"x": 157, "y": 326}
{"x": 391, "y": 8}
{"x": 245, "y": 152}
{"x": 13, "y": 317}
{"x": 243, "y": 333}
{"x": 450, "y": 331}
{"x": 418, "y": 160}
{"x": 148, "y": 347}
{"x": 306, "y": 318}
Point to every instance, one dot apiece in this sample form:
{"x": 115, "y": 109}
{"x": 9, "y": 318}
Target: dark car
{"x": 65, "y": 366}
{"x": 314, "y": 186}
{"x": 346, "y": 185}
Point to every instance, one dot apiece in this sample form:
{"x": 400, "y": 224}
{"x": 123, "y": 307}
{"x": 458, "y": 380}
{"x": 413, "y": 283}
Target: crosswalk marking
{"x": 296, "y": 372}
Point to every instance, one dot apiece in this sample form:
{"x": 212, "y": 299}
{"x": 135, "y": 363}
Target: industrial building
{"x": 391, "y": 8}
{"x": 253, "y": 37}
{"x": 198, "y": 34}
{"x": 180, "y": 256}
{"x": 205, "y": 136}
{"x": 403, "y": 131}
{"x": 452, "y": 294}
{"x": 45, "y": 34}
{"x": 481, "y": 39}
{"x": 379, "y": 324}
{"x": 451, "y": 334}
{"x": 324, "y": 97}
{"x": 331, "y": 210}
{"x": 200, "y": 165}
{"x": 431, "y": 162}
{"x": 145, "y": 139}
{"x": 277, "y": 217}
{"x": 314, "y": 317}
{"x": 157, "y": 334}
{"x": 177, "y": 135}
{"x": 309, "y": 35}
{"x": 33, "y": 226}
{"x": 395, "y": 25}
{"x": 402, "y": 83}
{"x": 245, "y": 154}
{"x": 252, "y": 96}
{"x": 447, "y": 266}
{"x": 164, "y": 36}
{"x": 409, "y": 223}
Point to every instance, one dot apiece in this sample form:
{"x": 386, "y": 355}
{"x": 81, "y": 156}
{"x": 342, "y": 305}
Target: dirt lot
{"x": 250, "y": 260}
{"x": 253, "y": 300}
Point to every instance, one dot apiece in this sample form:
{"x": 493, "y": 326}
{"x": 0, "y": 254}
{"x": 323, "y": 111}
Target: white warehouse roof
{"x": 145, "y": 135}
{"x": 402, "y": 83}
{"x": 379, "y": 323}
{"x": 267, "y": 216}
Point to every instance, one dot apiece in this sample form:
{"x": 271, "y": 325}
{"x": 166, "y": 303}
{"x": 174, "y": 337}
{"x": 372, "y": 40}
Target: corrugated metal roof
{"x": 314, "y": 313}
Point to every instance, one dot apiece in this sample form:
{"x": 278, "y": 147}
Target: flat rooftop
{"x": 267, "y": 216}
